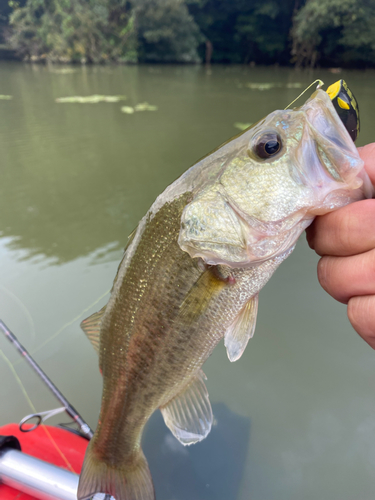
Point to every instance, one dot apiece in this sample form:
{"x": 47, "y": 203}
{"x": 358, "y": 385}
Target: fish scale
{"x": 140, "y": 370}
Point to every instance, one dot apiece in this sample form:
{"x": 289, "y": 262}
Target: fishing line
{"x": 26, "y": 311}
{"x": 72, "y": 412}
{"x": 320, "y": 84}
{"x": 23, "y": 389}
{"x": 70, "y": 322}
{"x": 43, "y": 344}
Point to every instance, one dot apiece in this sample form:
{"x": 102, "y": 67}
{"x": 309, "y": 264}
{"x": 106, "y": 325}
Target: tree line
{"x": 301, "y": 32}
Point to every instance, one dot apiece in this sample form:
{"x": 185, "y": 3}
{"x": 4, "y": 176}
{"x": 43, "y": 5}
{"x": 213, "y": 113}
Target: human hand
{"x": 346, "y": 241}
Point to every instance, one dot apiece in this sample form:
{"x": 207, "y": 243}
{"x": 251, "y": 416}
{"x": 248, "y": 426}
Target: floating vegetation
{"x": 268, "y": 86}
{"x": 6, "y": 97}
{"x": 262, "y": 86}
{"x": 63, "y": 71}
{"x": 143, "y": 106}
{"x": 92, "y": 99}
{"x": 242, "y": 126}
{"x": 127, "y": 109}
{"x": 296, "y": 85}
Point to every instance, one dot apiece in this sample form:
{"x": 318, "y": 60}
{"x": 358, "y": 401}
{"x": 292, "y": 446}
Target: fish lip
{"x": 331, "y": 135}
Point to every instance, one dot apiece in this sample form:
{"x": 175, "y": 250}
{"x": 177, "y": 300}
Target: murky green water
{"x": 296, "y": 414}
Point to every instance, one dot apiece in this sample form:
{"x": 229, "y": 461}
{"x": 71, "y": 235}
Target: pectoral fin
{"x": 91, "y": 327}
{"x": 189, "y": 415}
{"x": 242, "y": 330}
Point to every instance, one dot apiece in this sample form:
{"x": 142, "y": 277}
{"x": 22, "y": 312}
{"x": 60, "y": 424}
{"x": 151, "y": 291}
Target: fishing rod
{"x": 70, "y": 410}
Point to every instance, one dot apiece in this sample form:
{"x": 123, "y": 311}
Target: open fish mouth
{"x": 336, "y": 151}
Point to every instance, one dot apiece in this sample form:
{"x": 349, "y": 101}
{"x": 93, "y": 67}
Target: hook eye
{"x": 27, "y": 419}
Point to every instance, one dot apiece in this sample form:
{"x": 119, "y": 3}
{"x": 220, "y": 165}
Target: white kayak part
{"x": 38, "y": 478}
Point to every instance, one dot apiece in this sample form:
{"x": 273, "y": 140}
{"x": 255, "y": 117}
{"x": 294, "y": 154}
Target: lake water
{"x": 295, "y": 416}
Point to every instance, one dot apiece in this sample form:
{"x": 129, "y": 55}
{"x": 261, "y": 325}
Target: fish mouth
{"x": 334, "y": 145}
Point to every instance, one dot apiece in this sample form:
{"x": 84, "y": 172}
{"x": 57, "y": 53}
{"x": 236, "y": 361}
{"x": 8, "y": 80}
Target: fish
{"x": 191, "y": 275}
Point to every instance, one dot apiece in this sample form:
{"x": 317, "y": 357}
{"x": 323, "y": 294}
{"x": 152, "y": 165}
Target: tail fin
{"x": 133, "y": 482}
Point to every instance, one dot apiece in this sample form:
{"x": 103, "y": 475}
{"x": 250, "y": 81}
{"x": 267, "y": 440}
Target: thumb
{"x": 367, "y": 153}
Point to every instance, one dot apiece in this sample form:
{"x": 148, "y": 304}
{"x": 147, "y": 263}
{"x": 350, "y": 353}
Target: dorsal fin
{"x": 241, "y": 330}
{"x": 189, "y": 415}
{"x": 91, "y": 327}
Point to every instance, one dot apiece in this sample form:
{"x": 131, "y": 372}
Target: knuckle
{"x": 345, "y": 234}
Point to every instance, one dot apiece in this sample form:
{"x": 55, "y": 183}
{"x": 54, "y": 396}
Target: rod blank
{"x": 72, "y": 412}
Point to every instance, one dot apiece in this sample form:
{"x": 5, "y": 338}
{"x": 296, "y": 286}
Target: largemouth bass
{"x": 191, "y": 275}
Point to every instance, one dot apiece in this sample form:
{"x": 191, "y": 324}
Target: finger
{"x": 348, "y": 231}
{"x": 361, "y": 314}
{"x": 337, "y": 233}
{"x": 367, "y": 153}
{"x": 346, "y": 277}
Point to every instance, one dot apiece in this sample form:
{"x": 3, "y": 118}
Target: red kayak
{"x": 38, "y": 444}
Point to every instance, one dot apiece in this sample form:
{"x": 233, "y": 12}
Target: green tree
{"x": 6, "y": 8}
{"x": 74, "y": 30}
{"x": 335, "y": 32}
{"x": 263, "y": 32}
{"x": 217, "y": 21}
{"x": 166, "y": 31}
{"x": 242, "y": 31}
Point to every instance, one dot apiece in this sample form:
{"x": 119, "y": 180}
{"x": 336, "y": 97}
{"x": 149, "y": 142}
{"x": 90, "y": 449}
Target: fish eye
{"x": 268, "y": 145}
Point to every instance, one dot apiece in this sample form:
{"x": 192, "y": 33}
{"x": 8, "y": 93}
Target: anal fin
{"x": 189, "y": 415}
{"x": 241, "y": 330}
{"x": 91, "y": 327}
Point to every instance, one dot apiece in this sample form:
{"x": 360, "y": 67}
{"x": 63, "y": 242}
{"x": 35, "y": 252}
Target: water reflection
{"x": 210, "y": 470}
{"x": 76, "y": 177}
